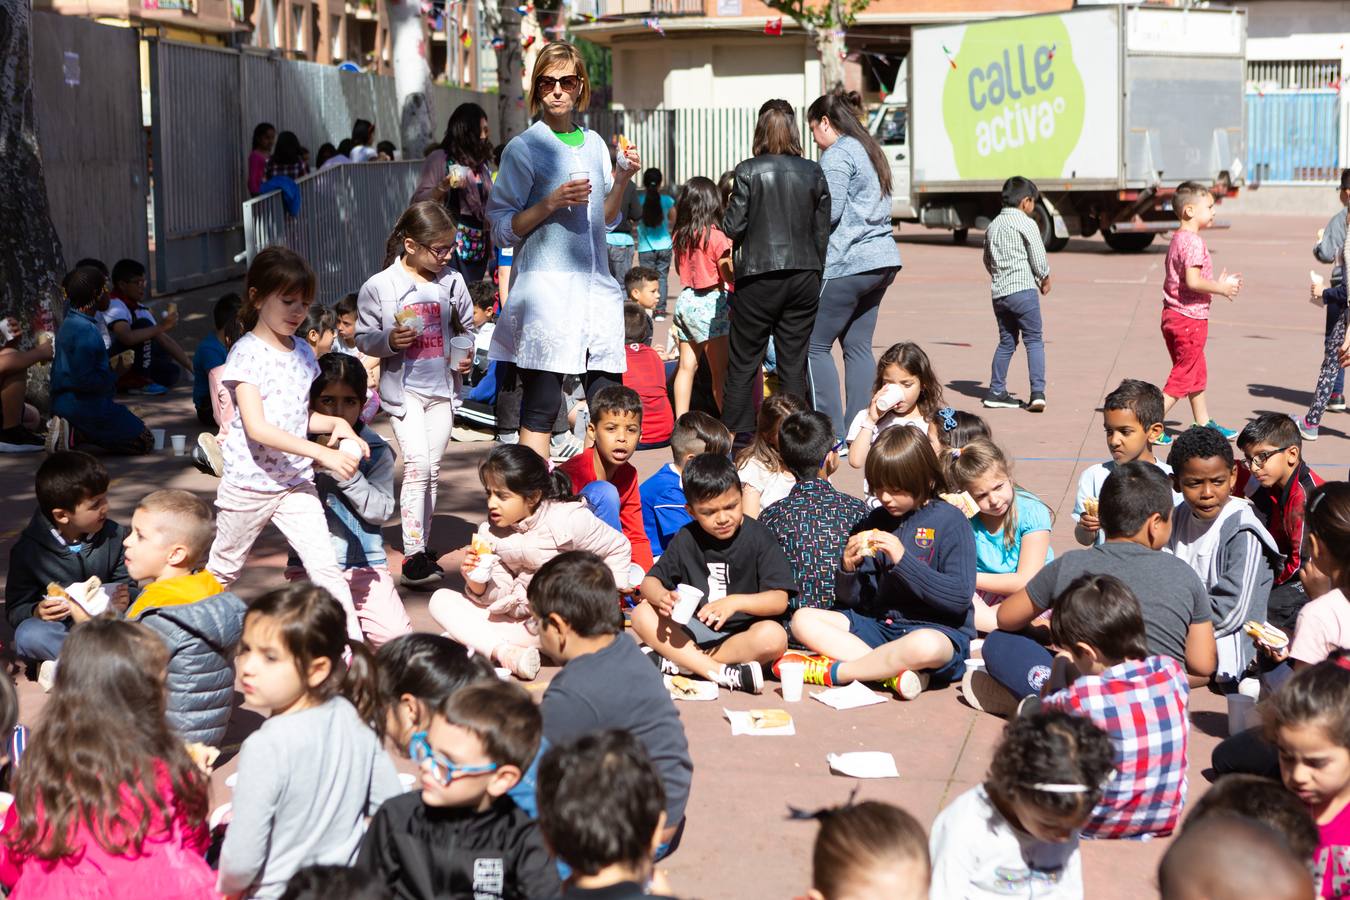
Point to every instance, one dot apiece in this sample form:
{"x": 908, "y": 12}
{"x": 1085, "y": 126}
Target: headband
{"x": 1060, "y": 788}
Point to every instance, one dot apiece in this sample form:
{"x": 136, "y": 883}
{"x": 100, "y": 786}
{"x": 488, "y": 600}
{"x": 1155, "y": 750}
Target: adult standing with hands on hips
{"x": 861, "y": 261}
{"x": 778, "y": 219}
{"x": 565, "y": 316}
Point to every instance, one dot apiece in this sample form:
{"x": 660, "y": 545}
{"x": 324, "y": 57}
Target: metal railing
{"x": 1293, "y": 136}
{"x": 346, "y": 214}
{"x": 609, "y": 8}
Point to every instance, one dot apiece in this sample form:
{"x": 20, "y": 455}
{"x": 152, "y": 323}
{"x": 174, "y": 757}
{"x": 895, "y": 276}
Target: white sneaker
{"x": 47, "y": 675}
{"x": 982, "y": 692}
{"x": 58, "y": 434}
{"x": 564, "y": 446}
{"x": 522, "y": 661}
{"x": 210, "y": 448}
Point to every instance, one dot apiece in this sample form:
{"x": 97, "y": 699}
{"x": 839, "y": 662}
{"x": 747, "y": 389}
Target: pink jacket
{"x": 525, "y": 546}
{"x": 170, "y": 865}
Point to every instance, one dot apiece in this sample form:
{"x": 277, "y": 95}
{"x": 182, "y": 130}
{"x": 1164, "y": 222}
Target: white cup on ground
{"x": 792, "y": 675}
{"x": 687, "y": 605}
{"x": 158, "y": 435}
{"x": 482, "y": 573}
{"x": 179, "y": 444}
{"x": 461, "y": 345}
{"x": 1241, "y": 711}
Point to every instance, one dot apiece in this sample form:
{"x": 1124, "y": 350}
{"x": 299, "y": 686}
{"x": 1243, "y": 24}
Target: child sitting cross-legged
{"x": 609, "y": 846}
{"x": 532, "y": 517}
{"x": 1219, "y": 536}
{"x": 602, "y": 474}
{"x": 662, "y": 495}
{"x": 813, "y": 522}
{"x": 461, "y": 835}
{"x": 742, "y": 573}
{"x": 197, "y": 619}
{"x": 572, "y": 597}
{"x": 1017, "y": 834}
{"x": 907, "y": 577}
{"x": 1105, "y": 673}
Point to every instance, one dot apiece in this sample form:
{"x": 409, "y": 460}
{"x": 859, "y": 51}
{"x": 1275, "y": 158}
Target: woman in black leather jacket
{"x": 778, "y": 219}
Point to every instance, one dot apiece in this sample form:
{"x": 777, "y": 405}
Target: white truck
{"x": 1107, "y": 109}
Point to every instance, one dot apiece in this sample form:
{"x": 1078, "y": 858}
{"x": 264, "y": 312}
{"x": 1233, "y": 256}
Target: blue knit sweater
{"x": 860, "y": 214}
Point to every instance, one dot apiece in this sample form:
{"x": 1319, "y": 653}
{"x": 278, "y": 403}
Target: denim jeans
{"x": 39, "y": 639}
{"x": 620, "y": 261}
{"x": 1018, "y": 314}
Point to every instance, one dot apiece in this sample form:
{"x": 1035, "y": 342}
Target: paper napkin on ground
{"x": 746, "y": 722}
{"x": 850, "y": 696}
{"x": 863, "y": 764}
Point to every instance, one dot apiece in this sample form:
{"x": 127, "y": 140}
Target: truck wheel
{"x": 1046, "y": 225}
{"x": 1131, "y": 242}
{"x": 1056, "y": 244}
{"x": 960, "y": 235}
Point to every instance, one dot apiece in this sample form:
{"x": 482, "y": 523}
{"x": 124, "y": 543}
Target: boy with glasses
{"x": 1274, "y": 476}
{"x": 461, "y": 835}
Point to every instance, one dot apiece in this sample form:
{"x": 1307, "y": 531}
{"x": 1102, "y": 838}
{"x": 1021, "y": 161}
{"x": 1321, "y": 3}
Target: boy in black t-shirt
{"x": 745, "y": 579}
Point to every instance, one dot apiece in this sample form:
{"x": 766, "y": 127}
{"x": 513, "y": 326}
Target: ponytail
{"x": 312, "y": 625}
{"x": 844, "y": 110}
{"x": 651, "y": 200}
{"x": 361, "y": 685}
{"x": 424, "y": 222}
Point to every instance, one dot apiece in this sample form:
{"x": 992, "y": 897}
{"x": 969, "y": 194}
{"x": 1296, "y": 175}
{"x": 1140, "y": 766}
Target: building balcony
{"x": 647, "y": 8}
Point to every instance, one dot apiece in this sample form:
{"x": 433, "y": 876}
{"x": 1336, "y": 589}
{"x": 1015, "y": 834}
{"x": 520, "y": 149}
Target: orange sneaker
{"x": 817, "y": 665}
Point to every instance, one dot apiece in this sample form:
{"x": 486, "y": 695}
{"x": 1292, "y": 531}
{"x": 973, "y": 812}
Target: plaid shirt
{"x": 1014, "y": 254}
{"x": 293, "y": 171}
{"x": 1141, "y": 704}
{"x": 812, "y": 524}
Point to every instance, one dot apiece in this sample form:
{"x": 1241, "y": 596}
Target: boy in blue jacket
{"x": 663, "y": 501}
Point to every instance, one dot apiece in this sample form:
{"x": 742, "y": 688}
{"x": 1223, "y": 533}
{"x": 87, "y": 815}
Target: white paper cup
{"x": 158, "y": 435}
{"x": 690, "y": 597}
{"x": 6, "y": 333}
{"x": 408, "y": 781}
{"x": 460, "y": 347}
{"x": 579, "y": 176}
{"x": 1241, "y": 710}
{"x": 179, "y": 444}
{"x": 890, "y": 395}
{"x": 1316, "y": 279}
{"x": 482, "y": 573}
{"x": 792, "y": 674}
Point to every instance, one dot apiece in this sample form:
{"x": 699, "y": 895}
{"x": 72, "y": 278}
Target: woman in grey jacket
{"x": 861, "y": 261}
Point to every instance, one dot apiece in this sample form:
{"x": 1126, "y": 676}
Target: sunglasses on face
{"x": 569, "y": 83}
{"x": 419, "y": 749}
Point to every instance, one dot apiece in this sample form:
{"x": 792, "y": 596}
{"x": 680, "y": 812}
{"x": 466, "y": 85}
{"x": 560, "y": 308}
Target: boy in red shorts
{"x": 1188, "y": 286}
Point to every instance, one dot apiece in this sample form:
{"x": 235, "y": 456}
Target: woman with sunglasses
{"x": 565, "y": 316}
{"x": 406, "y": 316}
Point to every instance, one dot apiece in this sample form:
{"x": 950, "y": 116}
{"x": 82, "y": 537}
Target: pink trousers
{"x": 475, "y": 627}
{"x": 379, "y": 608}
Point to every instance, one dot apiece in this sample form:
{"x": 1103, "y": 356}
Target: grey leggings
{"x": 848, "y": 314}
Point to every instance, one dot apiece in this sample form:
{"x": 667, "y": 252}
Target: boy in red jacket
{"x": 601, "y": 473}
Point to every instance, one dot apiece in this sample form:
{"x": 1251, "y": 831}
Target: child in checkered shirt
{"x": 1105, "y": 674}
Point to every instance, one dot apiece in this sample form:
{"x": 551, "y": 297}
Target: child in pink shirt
{"x": 702, "y": 312}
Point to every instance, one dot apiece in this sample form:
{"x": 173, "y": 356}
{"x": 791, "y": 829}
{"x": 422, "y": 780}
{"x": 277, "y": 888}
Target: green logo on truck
{"x": 1013, "y": 99}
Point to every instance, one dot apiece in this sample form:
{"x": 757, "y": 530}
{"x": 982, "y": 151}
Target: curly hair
{"x": 1199, "y": 442}
{"x": 1052, "y": 748}
{"x": 911, "y": 357}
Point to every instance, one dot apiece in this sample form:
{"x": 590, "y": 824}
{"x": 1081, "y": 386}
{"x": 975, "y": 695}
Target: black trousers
{"x": 781, "y": 305}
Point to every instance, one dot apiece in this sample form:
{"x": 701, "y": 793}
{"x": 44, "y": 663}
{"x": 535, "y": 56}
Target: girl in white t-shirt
{"x": 1324, "y": 622}
{"x": 268, "y": 457}
{"x": 764, "y": 478}
{"x": 906, "y": 392}
{"x": 408, "y": 315}
{"x": 1017, "y": 834}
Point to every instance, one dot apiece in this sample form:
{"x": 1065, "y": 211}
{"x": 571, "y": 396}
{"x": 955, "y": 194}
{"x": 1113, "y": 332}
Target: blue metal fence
{"x": 1293, "y": 136}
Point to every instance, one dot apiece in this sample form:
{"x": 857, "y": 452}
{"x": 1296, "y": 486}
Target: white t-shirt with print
{"x": 424, "y": 361}
{"x": 118, "y": 311}
{"x": 772, "y": 486}
{"x": 282, "y": 378}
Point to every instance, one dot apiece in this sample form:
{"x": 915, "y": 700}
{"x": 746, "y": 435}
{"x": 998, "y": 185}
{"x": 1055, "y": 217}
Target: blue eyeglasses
{"x": 444, "y": 770}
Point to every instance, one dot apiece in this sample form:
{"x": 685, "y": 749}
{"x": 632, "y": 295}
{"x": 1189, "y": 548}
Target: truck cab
{"x": 890, "y": 125}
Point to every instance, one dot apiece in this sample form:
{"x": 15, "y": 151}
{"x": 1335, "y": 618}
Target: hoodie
{"x": 40, "y": 557}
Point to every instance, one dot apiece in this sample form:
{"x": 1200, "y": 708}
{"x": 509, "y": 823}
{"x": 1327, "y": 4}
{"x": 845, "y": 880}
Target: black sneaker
{"x": 1037, "y": 402}
{"x": 1336, "y": 403}
{"x": 1003, "y": 400}
{"x": 663, "y": 665}
{"x": 20, "y": 440}
{"x": 746, "y": 677}
{"x": 419, "y": 571}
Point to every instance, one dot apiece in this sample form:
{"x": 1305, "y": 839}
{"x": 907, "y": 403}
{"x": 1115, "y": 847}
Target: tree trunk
{"x": 830, "y": 46}
{"x": 512, "y": 116}
{"x": 31, "y": 261}
{"x": 412, "y": 76}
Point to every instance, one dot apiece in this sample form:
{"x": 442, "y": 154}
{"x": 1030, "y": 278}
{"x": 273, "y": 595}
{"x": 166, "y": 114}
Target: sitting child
{"x": 608, "y": 846}
{"x": 1324, "y": 622}
{"x": 1021, "y": 826}
{"x": 69, "y": 538}
{"x": 906, "y": 392}
{"x": 602, "y": 474}
{"x": 662, "y": 495}
{"x": 744, "y": 578}
{"x": 83, "y": 384}
{"x": 19, "y": 420}
{"x": 572, "y": 598}
{"x": 198, "y": 621}
{"x": 1136, "y": 509}
{"x": 813, "y": 522}
{"x": 109, "y": 802}
{"x": 532, "y": 517}
{"x": 868, "y": 851}
{"x": 646, "y": 374}
{"x": 160, "y": 361}
{"x": 1133, "y": 419}
{"x": 1223, "y": 856}
{"x": 1012, "y": 527}
{"x": 1219, "y": 536}
{"x": 211, "y": 353}
{"x": 904, "y": 613}
{"x": 345, "y": 311}
{"x": 357, "y": 508}
{"x": 1104, "y": 673}
{"x": 764, "y": 478}
{"x": 1277, "y": 480}
{"x": 1263, "y": 800}
{"x": 460, "y": 835}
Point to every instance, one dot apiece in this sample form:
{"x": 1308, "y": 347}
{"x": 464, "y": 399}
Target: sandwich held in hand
{"x": 89, "y": 595}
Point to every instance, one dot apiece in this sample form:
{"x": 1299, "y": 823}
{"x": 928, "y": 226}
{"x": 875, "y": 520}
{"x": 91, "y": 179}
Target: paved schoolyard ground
{"x": 1102, "y": 325}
